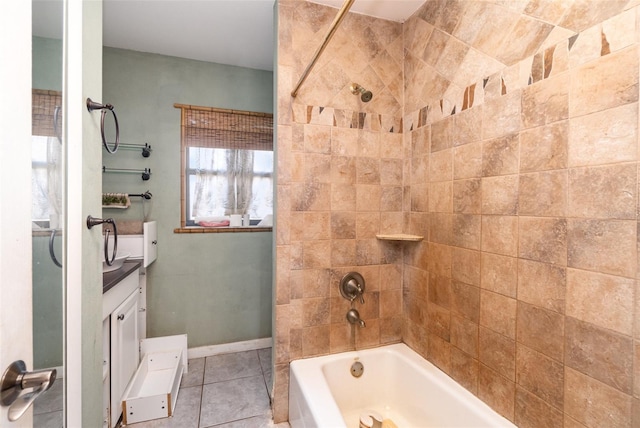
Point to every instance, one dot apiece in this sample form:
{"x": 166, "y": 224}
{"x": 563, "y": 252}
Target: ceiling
{"x": 235, "y": 32}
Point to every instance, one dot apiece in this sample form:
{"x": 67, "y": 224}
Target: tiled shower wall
{"x": 505, "y": 132}
{"x": 339, "y": 183}
{"x": 522, "y": 119}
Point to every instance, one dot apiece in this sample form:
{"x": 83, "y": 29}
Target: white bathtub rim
{"x": 327, "y": 411}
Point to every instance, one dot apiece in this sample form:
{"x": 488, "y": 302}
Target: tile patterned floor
{"x": 223, "y": 391}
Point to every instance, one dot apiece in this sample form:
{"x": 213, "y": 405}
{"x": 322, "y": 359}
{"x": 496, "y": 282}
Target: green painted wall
{"x": 47, "y": 304}
{"x": 214, "y": 287}
{"x": 47, "y": 278}
{"x": 46, "y": 69}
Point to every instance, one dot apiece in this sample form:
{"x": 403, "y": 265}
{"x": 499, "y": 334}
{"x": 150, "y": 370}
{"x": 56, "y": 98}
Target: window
{"x": 227, "y": 164}
{"x": 46, "y": 158}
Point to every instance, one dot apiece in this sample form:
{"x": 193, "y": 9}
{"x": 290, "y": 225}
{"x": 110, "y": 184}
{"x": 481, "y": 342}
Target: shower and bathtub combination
{"x": 385, "y": 387}
{"x": 396, "y": 383}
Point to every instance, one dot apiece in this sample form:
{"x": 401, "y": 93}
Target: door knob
{"x": 15, "y": 380}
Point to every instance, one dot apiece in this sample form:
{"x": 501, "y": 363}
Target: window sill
{"x": 198, "y": 229}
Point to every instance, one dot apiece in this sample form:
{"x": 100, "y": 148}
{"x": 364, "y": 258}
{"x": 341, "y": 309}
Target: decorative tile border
{"x": 545, "y": 64}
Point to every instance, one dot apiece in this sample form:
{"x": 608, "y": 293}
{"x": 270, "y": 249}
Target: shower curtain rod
{"x": 332, "y": 29}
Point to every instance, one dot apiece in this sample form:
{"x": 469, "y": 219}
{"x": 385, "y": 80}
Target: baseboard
{"x": 228, "y": 348}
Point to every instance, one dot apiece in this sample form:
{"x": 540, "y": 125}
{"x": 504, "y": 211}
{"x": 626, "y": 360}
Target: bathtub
{"x": 397, "y": 383}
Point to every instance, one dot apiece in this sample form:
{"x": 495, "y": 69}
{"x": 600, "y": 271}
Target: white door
{"x": 82, "y": 271}
{"x": 15, "y": 201}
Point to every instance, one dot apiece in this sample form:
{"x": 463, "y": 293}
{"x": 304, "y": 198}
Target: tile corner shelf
{"x": 400, "y": 237}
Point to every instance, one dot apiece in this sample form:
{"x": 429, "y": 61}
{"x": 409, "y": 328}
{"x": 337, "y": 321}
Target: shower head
{"x": 365, "y": 95}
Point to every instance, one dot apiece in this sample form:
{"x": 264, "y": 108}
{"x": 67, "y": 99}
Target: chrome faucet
{"x": 353, "y": 316}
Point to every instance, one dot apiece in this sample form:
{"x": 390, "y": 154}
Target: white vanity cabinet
{"x": 125, "y": 348}
{"x": 121, "y": 348}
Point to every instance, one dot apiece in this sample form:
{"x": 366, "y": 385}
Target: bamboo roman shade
{"x": 43, "y": 111}
{"x": 225, "y": 129}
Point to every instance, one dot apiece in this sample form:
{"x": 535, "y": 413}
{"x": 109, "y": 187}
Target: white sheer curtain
{"x": 54, "y": 181}
{"x": 223, "y": 182}
{"x": 240, "y": 181}
{"x": 47, "y": 180}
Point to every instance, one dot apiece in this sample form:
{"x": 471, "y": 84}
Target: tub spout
{"x": 354, "y": 317}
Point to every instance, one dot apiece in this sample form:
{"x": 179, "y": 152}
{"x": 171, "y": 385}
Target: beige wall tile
{"x": 419, "y": 169}
{"x": 343, "y": 252}
{"x": 607, "y": 246}
{"x": 603, "y": 192}
{"x": 315, "y": 282}
{"x": 367, "y": 170}
{"x": 368, "y": 197}
{"x": 467, "y": 196}
{"x": 315, "y": 312}
{"x": 541, "y": 330}
{"x": 497, "y": 391}
{"x": 465, "y": 301}
{"x": 608, "y": 82}
{"x": 440, "y": 197}
{"x": 464, "y": 369}
{"x": 603, "y": 300}
{"x": 501, "y": 116}
{"x": 542, "y": 284}
{"x": 442, "y": 134}
{"x": 500, "y": 195}
{"x": 439, "y": 290}
{"x": 465, "y": 265}
{"x": 619, "y": 30}
{"x": 317, "y": 139}
{"x": 499, "y": 274}
{"x": 441, "y": 228}
{"x": 438, "y": 321}
{"x": 593, "y": 403}
{"x": 467, "y": 126}
{"x": 391, "y": 198}
{"x": 531, "y": 411}
{"x": 439, "y": 352}
{"x": 343, "y": 197}
{"x": 316, "y": 226}
{"x": 315, "y": 340}
{"x": 464, "y": 335}
{"x": 529, "y": 34}
{"x": 540, "y": 375}
{"x": 316, "y": 254}
{"x": 600, "y": 353}
{"x": 467, "y": 161}
{"x": 497, "y": 352}
{"x": 466, "y": 229}
{"x": 419, "y": 197}
{"x": 608, "y": 136}
{"x": 544, "y": 147}
{"x": 441, "y": 165}
{"x": 581, "y": 15}
{"x": 546, "y": 102}
{"x": 543, "y": 194}
{"x": 391, "y": 172}
{"x": 343, "y": 225}
{"x": 498, "y": 313}
{"x": 500, "y": 234}
{"x": 500, "y": 156}
{"x": 543, "y": 240}
{"x": 343, "y": 169}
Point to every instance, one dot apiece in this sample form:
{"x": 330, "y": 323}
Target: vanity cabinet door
{"x": 125, "y": 350}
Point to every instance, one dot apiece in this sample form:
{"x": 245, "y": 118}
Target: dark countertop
{"x": 110, "y": 279}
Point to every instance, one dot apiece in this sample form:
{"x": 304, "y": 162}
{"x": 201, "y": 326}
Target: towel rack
{"x": 147, "y": 195}
{"x": 91, "y": 106}
{"x": 146, "y": 148}
{"x": 146, "y": 173}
